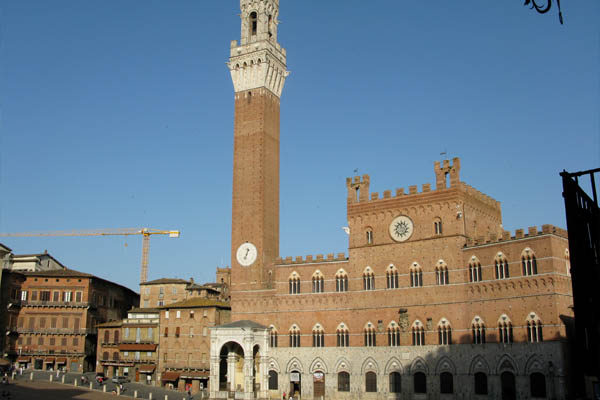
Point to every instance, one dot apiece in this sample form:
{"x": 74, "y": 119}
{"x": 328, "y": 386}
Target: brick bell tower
{"x": 258, "y": 70}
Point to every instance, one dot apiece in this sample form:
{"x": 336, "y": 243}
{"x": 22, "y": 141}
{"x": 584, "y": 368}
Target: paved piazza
{"x": 27, "y": 390}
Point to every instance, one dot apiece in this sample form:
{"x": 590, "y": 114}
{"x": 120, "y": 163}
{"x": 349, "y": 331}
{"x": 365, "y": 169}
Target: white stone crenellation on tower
{"x": 258, "y": 61}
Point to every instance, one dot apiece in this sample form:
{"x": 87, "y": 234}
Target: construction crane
{"x": 145, "y": 232}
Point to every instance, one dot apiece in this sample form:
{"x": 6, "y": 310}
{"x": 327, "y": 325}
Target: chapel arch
{"x": 231, "y": 366}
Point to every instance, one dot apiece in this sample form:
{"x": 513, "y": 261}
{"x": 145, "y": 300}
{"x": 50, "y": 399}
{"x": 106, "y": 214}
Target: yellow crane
{"x": 145, "y": 232}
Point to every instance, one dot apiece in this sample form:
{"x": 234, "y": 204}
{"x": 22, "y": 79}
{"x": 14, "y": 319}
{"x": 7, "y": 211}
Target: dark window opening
{"x": 273, "y": 385}
{"x": 253, "y": 23}
{"x": 420, "y": 382}
{"x": 343, "y": 382}
{"x": 538, "y": 385}
{"x": 395, "y": 383}
{"x": 371, "y": 382}
{"x": 481, "y": 386}
{"x": 446, "y": 383}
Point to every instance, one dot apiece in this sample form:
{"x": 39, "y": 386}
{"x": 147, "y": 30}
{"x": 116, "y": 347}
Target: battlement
{"x": 310, "y": 259}
{"x": 484, "y": 198}
{"x": 445, "y": 170}
{"x": 506, "y": 236}
{"x": 358, "y": 187}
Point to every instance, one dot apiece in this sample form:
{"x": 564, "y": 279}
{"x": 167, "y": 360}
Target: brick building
{"x": 130, "y": 347}
{"x": 56, "y": 316}
{"x": 433, "y": 300}
{"x": 165, "y": 291}
{"x": 184, "y": 349}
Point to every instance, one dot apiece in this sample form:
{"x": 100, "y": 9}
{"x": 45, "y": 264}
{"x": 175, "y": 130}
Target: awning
{"x": 49, "y": 360}
{"x": 24, "y": 359}
{"x": 194, "y": 375}
{"x": 61, "y": 360}
{"x": 4, "y": 362}
{"x": 147, "y": 369}
{"x": 169, "y": 376}
{"x": 137, "y": 347}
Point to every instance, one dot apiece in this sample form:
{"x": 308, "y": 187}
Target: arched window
{"x": 106, "y": 336}
{"x": 318, "y": 336}
{"x": 273, "y": 380}
{"x": 478, "y": 330}
{"x": 418, "y": 334}
{"x": 371, "y": 382}
{"x": 534, "y": 329}
{"x": 437, "y": 226}
{"x": 391, "y": 275}
{"x": 341, "y": 281}
{"x": 568, "y": 262}
{"x": 474, "y": 270}
{"x": 395, "y": 382}
{"x": 317, "y": 282}
{"x": 368, "y": 279}
{"x": 416, "y": 275}
{"x": 393, "y": 334}
{"x": 116, "y": 335}
{"x": 420, "y": 382}
{"x": 105, "y": 355}
{"x": 505, "y": 330}
{"x": 343, "y": 381}
{"x": 253, "y": 23}
{"x": 294, "y": 282}
{"x": 294, "y": 336}
{"x": 537, "y": 383}
{"x": 115, "y": 355}
{"x": 343, "y": 336}
{"x": 369, "y": 234}
{"x": 528, "y": 263}
{"x": 501, "y": 267}
{"x": 370, "y": 335}
{"x": 444, "y": 332}
{"x": 273, "y": 336}
{"x": 441, "y": 273}
{"x": 446, "y": 383}
{"x": 480, "y": 381}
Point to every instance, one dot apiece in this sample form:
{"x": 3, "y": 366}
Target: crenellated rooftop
{"x": 310, "y": 259}
{"x": 358, "y": 186}
{"x": 506, "y": 236}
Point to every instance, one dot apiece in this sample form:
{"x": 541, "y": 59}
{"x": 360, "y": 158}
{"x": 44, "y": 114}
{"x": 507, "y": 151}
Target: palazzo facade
{"x": 433, "y": 299}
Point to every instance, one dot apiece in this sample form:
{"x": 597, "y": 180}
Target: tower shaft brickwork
{"x": 258, "y": 71}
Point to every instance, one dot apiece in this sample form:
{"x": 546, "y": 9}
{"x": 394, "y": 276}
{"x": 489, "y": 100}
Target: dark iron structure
{"x": 583, "y": 224}
{"x": 544, "y": 8}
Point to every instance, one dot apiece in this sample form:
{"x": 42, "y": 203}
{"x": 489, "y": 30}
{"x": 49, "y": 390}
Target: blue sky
{"x": 120, "y": 114}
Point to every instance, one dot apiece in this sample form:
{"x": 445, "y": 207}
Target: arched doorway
{"x": 318, "y": 385}
{"x": 231, "y": 367}
{"x": 295, "y": 384}
{"x": 509, "y": 391}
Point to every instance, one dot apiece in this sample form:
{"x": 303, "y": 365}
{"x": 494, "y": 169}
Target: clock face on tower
{"x": 401, "y": 228}
{"x": 246, "y": 254}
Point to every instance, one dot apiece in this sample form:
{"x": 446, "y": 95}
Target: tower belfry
{"x": 258, "y": 71}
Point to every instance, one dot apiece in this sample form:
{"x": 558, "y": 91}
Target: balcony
{"x": 34, "y": 353}
{"x": 47, "y": 303}
{"x": 58, "y": 331}
{"x": 109, "y": 344}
